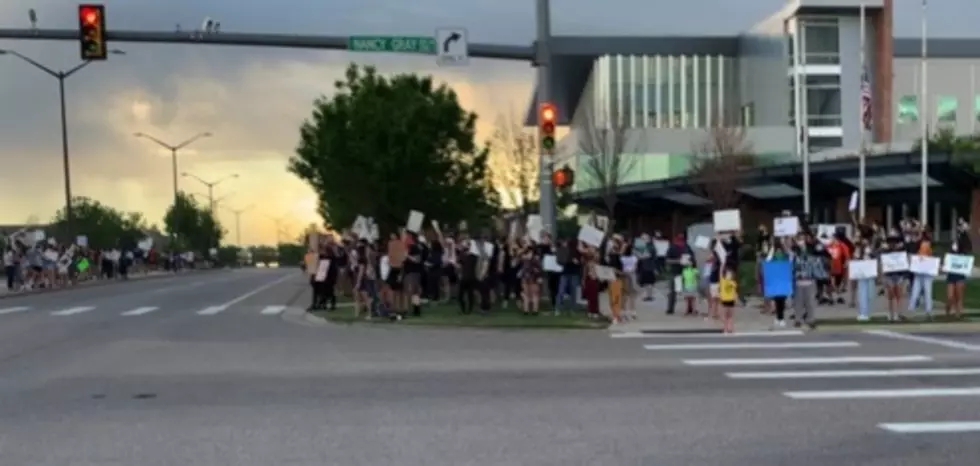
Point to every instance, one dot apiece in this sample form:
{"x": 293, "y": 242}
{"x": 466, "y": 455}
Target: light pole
{"x": 924, "y": 122}
{"x": 217, "y": 202}
{"x": 279, "y": 228}
{"x": 173, "y": 151}
{"x": 238, "y": 221}
{"x": 210, "y": 185}
{"x": 542, "y": 59}
{"x": 61, "y": 76}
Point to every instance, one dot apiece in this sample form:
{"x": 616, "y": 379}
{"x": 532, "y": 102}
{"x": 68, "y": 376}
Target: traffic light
{"x": 546, "y": 122}
{"x": 91, "y": 29}
{"x": 563, "y": 178}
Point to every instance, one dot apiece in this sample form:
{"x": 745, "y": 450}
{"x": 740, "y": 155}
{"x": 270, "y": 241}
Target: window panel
{"x": 976, "y": 108}
{"x": 946, "y": 109}
{"x": 908, "y": 109}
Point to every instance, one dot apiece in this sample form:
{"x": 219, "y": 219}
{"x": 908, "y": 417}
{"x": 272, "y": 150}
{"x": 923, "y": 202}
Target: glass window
{"x": 976, "y": 108}
{"x": 908, "y": 109}
{"x": 946, "y": 109}
{"x": 823, "y": 103}
{"x": 819, "y": 143}
{"x": 675, "y": 92}
{"x": 821, "y": 37}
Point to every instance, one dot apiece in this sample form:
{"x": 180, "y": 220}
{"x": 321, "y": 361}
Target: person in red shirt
{"x": 840, "y": 254}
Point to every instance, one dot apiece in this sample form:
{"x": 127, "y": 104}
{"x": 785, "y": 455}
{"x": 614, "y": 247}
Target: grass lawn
{"x": 448, "y": 315}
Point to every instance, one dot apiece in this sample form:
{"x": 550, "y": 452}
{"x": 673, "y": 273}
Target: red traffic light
{"x": 89, "y": 15}
{"x": 548, "y": 114}
{"x": 563, "y": 178}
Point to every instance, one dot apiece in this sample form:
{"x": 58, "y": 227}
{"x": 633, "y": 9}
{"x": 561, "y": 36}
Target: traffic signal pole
{"x": 546, "y": 190}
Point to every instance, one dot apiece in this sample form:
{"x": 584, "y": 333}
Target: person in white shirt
{"x": 10, "y": 267}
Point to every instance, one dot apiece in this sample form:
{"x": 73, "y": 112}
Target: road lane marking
{"x": 72, "y": 311}
{"x": 273, "y": 310}
{"x": 844, "y": 374}
{"x": 883, "y": 393}
{"x": 801, "y": 361}
{"x": 140, "y": 311}
{"x": 931, "y": 427}
{"x": 922, "y": 339}
{"x": 779, "y": 333}
{"x": 11, "y": 310}
{"x": 212, "y": 310}
{"x": 786, "y": 345}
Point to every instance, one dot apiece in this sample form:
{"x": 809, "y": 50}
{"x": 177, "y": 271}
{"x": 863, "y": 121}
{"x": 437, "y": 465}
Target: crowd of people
{"x": 396, "y": 277}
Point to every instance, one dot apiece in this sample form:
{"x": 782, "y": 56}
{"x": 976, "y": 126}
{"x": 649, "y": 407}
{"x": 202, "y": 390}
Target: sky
{"x": 254, "y": 99}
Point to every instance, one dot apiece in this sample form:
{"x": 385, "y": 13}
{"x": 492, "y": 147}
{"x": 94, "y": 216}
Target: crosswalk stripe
{"x": 952, "y": 371}
{"x": 777, "y": 333}
{"x": 808, "y": 361}
{"x": 273, "y": 310}
{"x": 72, "y": 311}
{"x": 140, "y": 311}
{"x": 931, "y": 427}
{"x": 11, "y": 310}
{"x": 786, "y": 345}
{"x": 883, "y": 393}
{"x": 212, "y": 310}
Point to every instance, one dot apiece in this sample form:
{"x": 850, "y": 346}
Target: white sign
{"x": 606, "y": 274}
{"x": 702, "y": 242}
{"x": 863, "y": 269}
{"x": 958, "y": 264}
{"x": 894, "y": 262}
{"x": 385, "y": 267}
{"x": 591, "y": 235}
{"x": 39, "y": 236}
{"x": 487, "y": 248}
{"x": 661, "y": 245}
{"x": 924, "y": 265}
{"x": 452, "y": 47}
{"x": 213, "y": 252}
{"x": 550, "y": 264}
{"x": 785, "y": 226}
{"x": 321, "y": 270}
{"x": 852, "y": 205}
{"x": 82, "y": 241}
{"x": 415, "y": 219}
{"x": 534, "y": 227}
{"x": 728, "y": 220}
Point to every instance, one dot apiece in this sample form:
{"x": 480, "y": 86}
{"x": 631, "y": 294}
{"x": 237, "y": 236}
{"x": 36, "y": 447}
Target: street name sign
{"x": 395, "y": 44}
{"x": 453, "y": 48}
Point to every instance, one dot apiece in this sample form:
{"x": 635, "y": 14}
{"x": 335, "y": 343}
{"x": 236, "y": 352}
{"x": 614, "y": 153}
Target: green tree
{"x": 104, "y": 226}
{"x": 291, "y": 253}
{"x": 965, "y": 149}
{"x": 193, "y": 227}
{"x": 382, "y": 147}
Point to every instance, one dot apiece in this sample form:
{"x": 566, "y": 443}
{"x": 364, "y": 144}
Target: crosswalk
{"x": 836, "y": 369}
{"x": 208, "y": 311}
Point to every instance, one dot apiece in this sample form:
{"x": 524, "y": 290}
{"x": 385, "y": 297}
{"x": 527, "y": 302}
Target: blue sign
{"x": 777, "y": 278}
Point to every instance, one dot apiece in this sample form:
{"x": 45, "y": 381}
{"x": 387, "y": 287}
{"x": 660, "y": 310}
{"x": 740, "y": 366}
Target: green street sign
{"x": 396, "y": 44}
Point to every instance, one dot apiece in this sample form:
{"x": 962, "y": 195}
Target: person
{"x": 412, "y": 269}
{"x": 779, "y": 253}
{"x": 571, "y": 275}
{"x": 727, "y": 295}
{"x": 531, "y": 275}
{"x": 893, "y": 280}
{"x": 808, "y": 268}
{"x": 397, "y": 252}
{"x": 10, "y": 267}
{"x": 922, "y": 283}
{"x": 644, "y": 250}
{"x": 590, "y": 281}
{"x": 865, "y": 287}
{"x": 614, "y": 260}
{"x": 679, "y": 256}
{"x": 955, "y": 282}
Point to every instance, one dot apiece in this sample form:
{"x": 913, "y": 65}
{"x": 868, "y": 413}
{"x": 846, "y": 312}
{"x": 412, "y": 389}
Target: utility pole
{"x": 210, "y": 185}
{"x": 238, "y": 221}
{"x": 542, "y": 57}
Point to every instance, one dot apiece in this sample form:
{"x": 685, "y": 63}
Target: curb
{"x": 301, "y": 317}
{"x": 945, "y": 327}
{"x": 99, "y": 283}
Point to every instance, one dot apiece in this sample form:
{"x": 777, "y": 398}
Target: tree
{"x": 964, "y": 150}
{"x": 715, "y": 164}
{"x": 193, "y": 227}
{"x": 515, "y": 162}
{"x": 103, "y": 226}
{"x": 382, "y": 147}
{"x": 607, "y": 162}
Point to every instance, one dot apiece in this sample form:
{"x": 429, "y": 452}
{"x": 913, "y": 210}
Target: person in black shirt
{"x": 956, "y": 283}
{"x": 678, "y": 253}
{"x": 433, "y": 268}
{"x": 412, "y": 283}
{"x": 570, "y": 260}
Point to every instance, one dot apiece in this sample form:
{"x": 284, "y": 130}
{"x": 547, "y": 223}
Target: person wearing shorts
{"x": 727, "y": 295}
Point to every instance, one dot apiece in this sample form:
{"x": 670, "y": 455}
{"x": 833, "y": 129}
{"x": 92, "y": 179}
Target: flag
{"x": 865, "y": 101}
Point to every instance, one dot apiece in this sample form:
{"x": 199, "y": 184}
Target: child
{"x": 728, "y": 294}
{"x": 689, "y": 282}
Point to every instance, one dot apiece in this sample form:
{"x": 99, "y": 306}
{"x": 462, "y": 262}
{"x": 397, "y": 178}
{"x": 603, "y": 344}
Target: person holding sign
{"x": 865, "y": 287}
{"x": 808, "y": 269}
{"x": 531, "y": 275}
{"x": 893, "y": 280}
{"x": 921, "y": 282}
{"x": 590, "y": 281}
{"x": 956, "y": 282}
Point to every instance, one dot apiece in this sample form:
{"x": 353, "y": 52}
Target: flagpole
{"x": 862, "y": 156}
{"x": 924, "y": 122}
{"x": 973, "y": 93}
{"x": 804, "y": 111}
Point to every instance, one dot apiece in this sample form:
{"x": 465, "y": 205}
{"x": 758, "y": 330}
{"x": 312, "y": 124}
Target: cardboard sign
{"x": 415, "y": 219}
{"x": 550, "y": 264}
{"x": 322, "y": 267}
{"x": 958, "y": 264}
{"x": 591, "y": 235}
{"x": 862, "y": 269}
{"x": 894, "y": 262}
{"x": 727, "y": 220}
{"x": 924, "y": 265}
{"x": 785, "y": 226}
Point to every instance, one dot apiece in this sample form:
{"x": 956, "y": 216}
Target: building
{"x": 668, "y": 92}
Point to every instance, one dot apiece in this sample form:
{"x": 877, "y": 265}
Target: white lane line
{"x": 922, "y": 339}
{"x": 844, "y": 374}
{"x": 778, "y": 333}
{"x": 788, "y": 345}
{"x": 930, "y": 427}
{"x": 140, "y": 311}
{"x": 11, "y": 310}
{"x": 810, "y": 361}
{"x": 72, "y": 311}
{"x": 212, "y": 310}
{"x": 273, "y": 310}
{"x": 883, "y": 393}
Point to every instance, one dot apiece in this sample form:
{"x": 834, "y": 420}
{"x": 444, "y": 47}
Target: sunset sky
{"x": 254, "y": 100}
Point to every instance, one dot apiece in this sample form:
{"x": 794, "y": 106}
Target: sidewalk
{"x": 5, "y": 293}
{"x": 652, "y": 317}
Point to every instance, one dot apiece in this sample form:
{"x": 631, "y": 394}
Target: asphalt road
{"x": 236, "y": 386}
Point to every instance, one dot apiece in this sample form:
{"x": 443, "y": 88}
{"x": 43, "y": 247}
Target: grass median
{"x": 448, "y": 315}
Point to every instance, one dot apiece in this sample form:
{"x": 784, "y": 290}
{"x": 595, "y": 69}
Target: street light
{"x": 217, "y": 202}
{"x": 61, "y": 76}
{"x": 238, "y": 221}
{"x": 210, "y": 185}
{"x": 173, "y": 151}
